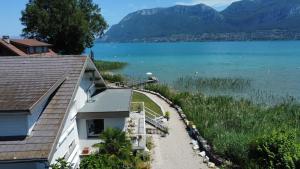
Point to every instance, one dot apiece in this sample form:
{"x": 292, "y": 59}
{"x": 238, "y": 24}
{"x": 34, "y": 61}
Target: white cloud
{"x": 212, "y": 3}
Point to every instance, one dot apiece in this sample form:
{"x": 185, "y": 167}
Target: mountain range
{"x": 242, "y": 20}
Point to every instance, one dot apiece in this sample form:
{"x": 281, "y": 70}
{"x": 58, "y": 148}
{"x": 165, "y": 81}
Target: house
{"x": 24, "y": 47}
{"x": 55, "y": 107}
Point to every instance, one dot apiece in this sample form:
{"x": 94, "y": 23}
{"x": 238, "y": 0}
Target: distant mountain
{"x": 251, "y": 15}
{"x": 242, "y": 20}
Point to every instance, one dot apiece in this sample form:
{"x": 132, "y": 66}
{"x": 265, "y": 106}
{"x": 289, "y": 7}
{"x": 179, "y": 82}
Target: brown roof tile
{"x": 41, "y": 72}
{"x": 30, "y": 42}
{"x": 25, "y": 81}
{"x": 12, "y": 48}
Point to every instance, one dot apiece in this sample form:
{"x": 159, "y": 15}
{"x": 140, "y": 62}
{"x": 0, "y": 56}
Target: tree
{"x": 61, "y": 164}
{"x": 115, "y": 143}
{"x": 114, "y": 152}
{"x": 70, "y": 25}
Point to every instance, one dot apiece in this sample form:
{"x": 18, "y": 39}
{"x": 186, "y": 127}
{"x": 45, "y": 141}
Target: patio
{"x": 136, "y": 127}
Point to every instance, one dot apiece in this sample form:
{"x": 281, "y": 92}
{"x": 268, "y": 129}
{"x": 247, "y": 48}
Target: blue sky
{"x": 112, "y": 10}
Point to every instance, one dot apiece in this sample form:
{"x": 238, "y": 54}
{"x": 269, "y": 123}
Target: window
{"x": 94, "y": 128}
{"x": 45, "y": 49}
{"x": 31, "y": 50}
{"x": 38, "y": 49}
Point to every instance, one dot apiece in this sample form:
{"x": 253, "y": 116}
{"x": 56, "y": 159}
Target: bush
{"x": 114, "y": 153}
{"x": 113, "y": 77}
{"x": 165, "y": 91}
{"x": 103, "y": 162}
{"x": 61, "y": 164}
{"x": 167, "y": 115}
{"x": 278, "y": 150}
{"x": 149, "y": 143}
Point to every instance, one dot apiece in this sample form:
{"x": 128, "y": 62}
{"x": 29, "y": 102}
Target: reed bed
{"x": 223, "y": 84}
{"x": 231, "y": 124}
{"x": 239, "y": 88}
{"x": 106, "y": 69}
{"x": 108, "y": 65}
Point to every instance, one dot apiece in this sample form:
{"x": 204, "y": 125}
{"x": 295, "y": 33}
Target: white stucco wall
{"x": 82, "y": 130}
{"x": 108, "y": 123}
{"x": 69, "y": 135}
{"x": 21, "y": 123}
{"x": 114, "y": 123}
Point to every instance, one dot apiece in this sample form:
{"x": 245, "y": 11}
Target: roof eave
{"x": 50, "y": 156}
{"x": 27, "y": 45}
{"x": 10, "y": 112}
{"x": 45, "y": 160}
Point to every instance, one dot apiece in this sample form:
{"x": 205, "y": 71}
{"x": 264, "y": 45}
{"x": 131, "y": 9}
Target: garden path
{"x": 174, "y": 151}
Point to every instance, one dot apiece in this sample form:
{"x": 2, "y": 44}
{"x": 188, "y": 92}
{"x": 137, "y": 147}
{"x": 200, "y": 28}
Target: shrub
{"x": 105, "y": 161}
{"x": 278, "y": 150}
{"x": 61, "y": 164}
{"x": 149, "y": 143}
{"x": 113, "y": 77}
{"x": 114, "y": 153}
{"x": 115, "y": 143}
{"x": 167, "y": 115}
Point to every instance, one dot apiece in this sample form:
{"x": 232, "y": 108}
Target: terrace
{"x": 112, "y": 108}
{"x": 136, "y": 126}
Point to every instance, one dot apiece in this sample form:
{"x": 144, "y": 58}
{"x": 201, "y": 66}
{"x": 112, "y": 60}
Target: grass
{"x": 137, "y": 106}
{"x": 236, "y": 87}
{"x": 109, "y": 66}
{"x": 230, "y": 124}
{"x": 105, "y": 68}
{"x": 223, "y": 84}
{"x": 139, "y": 97}
{"x": 112, "y": 78}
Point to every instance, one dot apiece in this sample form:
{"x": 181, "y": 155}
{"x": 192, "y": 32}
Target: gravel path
{"x": 175, "y": 150}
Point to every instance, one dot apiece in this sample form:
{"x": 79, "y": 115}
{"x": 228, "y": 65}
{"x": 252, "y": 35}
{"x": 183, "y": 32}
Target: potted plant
{"x": 167, "y": 115}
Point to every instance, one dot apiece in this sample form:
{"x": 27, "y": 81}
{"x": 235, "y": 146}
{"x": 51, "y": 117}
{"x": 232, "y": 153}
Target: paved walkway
{"x": 175, "y": 150}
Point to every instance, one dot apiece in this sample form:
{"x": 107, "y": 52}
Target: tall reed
{"x": 230, "y": 124}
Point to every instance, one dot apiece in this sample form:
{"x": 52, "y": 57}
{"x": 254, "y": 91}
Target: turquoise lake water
{"x": 271, "y": 66}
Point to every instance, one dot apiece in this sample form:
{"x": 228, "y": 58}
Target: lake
{"x": 272, "y": 66}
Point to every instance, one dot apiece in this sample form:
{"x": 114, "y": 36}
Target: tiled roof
{"x": 41, "y": 141}
{"x": 30, "y": 42}
{"x": 12, "y": 48}
{"x": 23, "y": 84}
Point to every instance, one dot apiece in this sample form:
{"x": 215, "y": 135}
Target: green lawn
{"x": 139, "y": 97}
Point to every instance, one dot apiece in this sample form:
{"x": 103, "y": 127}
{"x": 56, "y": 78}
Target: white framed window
{"x": 94, "y": 128}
